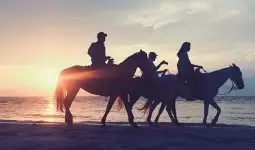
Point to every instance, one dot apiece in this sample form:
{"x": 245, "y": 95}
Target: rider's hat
{"x": 101, "y": 34}
{"x": 152, "y": 54}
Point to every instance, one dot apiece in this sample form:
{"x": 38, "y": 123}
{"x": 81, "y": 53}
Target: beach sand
{"x": 120, "y": 136}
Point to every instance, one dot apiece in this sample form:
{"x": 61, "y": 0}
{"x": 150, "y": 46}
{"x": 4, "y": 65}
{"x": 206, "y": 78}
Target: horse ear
{"x": 233, "y": 65}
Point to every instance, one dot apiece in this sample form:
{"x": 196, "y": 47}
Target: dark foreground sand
{"x": 118, "y": 136}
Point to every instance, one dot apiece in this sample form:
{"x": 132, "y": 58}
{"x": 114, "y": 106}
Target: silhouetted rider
{"x": 185, "y": 67}
{"x": 97, "y": 51}
{"x": 152, "y": 57}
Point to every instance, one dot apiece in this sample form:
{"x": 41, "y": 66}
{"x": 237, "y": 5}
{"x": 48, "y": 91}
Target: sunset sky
{"x": 38, "y": 38}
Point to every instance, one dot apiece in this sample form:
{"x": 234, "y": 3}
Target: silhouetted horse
{"x": 113, "y": 81}
{"x": 207, "y": 90}
{"x": 165, "y": 87}
{"x": 156, "y": 88}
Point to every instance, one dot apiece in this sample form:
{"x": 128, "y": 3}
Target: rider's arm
{"x": 103, "y": 52}
{"x": 162, "y": 71}
{"x": 160, "y": 64}
{"x": 196, "y": 66}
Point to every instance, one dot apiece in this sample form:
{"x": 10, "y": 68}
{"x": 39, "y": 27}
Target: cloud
{"x": 57, "y": 33}
{"x": 167, "y": 12}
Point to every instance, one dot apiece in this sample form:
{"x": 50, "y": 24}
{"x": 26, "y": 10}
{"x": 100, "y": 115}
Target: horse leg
{"x": 174, "y": 112}
{"x": 128, "y": 109}
{"x": 206, "y": 107}
{"x": 168, "y": 109}
{"x": 108, "y": 108}
{"x": 152, "y": 108}
{"x": 162, "y": 107}
{"x": 216, "y": 106}
{"x": 71, "y": 93}
{"x": 133, "y": 99}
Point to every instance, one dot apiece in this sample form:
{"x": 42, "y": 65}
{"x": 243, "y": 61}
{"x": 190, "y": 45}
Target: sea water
{"x": 238, "y": 110}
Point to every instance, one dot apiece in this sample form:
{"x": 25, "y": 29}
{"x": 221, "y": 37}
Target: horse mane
{"x": 129, "y": 58}
{"x": 219, "y": 70}
{"x": 88, "y": 67}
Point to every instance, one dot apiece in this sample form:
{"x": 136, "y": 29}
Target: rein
{"x": 204, "y": 70}
{"x": 233, "y": 87}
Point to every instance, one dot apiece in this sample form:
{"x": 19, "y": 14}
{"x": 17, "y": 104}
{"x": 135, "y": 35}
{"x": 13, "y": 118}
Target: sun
{"x": 48, "y": 78}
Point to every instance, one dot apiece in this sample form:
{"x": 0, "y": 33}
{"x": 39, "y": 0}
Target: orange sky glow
{"x": 40, "y": 38}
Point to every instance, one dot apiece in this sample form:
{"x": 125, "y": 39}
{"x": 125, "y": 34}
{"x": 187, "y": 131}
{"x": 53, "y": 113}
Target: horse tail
{"x": 146, "y": 106}
{"x": 119, "y": 103}
{"x": 59, "y": 95}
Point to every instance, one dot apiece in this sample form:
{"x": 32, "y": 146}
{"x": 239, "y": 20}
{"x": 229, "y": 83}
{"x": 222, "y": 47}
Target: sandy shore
{"x": 89, "y": 135}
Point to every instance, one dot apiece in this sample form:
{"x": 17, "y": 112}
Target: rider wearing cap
{"x": 152, "y": 57}
{"x": 97, "y": 51}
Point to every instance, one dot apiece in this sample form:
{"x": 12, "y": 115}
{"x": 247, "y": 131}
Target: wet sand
{"x": 120, "y": 136}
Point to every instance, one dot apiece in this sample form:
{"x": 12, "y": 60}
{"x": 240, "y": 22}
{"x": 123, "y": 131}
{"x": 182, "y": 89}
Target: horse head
{"x": 137, "y": 60}
{"x": 140, "y": 60}
{"x": 236, "y": 76}
{"x": 144, "y": 63}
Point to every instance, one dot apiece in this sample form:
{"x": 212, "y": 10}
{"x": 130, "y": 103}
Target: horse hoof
{"x": 180, "y": 124}
{"x": 150, "y": 124}
{"x": 213, "y": 123}
{"x": 156, "y": 125}
{"x": 69, "y": 123}
{"x": 103, "y": 126}
{"x": 176, "y": 122}
{"x": 209, "y": 125}
{"x": 204, "y": 123}
{"x": 134, "y": 125}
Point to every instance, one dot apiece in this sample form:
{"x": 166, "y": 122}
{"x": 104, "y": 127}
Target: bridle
{"x": 233, "y": 87}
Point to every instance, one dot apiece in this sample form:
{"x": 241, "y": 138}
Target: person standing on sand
{"x": 97, "y": 51}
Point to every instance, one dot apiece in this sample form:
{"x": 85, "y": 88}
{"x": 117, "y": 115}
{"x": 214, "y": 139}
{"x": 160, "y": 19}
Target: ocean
{"x": 237, "y": 110}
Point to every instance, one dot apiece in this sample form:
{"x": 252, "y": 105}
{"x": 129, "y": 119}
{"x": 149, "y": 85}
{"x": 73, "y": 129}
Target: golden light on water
{"x": 50, "y": 110}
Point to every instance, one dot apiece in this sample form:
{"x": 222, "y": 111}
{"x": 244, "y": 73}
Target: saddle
{"x": 193, "y": 81}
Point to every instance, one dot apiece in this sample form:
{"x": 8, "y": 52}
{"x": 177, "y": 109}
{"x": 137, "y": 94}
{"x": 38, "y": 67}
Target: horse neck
{"x": 129, "y": 66}
{"x": 220, "y": 77}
